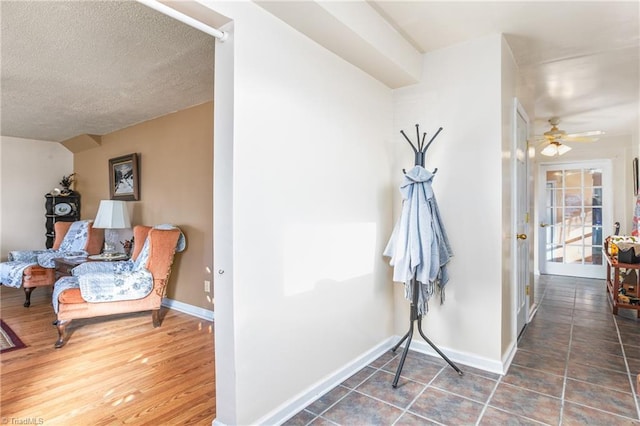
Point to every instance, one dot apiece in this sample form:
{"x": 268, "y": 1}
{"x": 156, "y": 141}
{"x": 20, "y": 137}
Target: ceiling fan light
{"x": 550, "y": 150}
{"x": 563, "y": 149}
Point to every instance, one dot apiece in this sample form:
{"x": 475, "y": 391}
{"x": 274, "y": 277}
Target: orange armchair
{"x": 156, "y": 259}
{"x": 39, "y": 276}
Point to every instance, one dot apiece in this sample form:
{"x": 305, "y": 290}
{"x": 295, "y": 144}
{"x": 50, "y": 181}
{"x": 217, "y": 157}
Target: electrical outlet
{"x": 207, "y": 286}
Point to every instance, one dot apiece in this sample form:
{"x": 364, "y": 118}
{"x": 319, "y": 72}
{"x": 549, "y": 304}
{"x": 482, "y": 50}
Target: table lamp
{"x": 112, "y": 214}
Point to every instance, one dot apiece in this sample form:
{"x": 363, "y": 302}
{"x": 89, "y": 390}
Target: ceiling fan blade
{"x": 589, "y": 133}
{"x": 559, "y": 135}
{"x": 544, "y": 138}
{"x": 578, "y": 139}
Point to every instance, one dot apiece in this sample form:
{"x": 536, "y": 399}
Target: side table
{"x": 64, "y": 265}
{"x": 613, "y": 283}
{"x": 109, "y": 257}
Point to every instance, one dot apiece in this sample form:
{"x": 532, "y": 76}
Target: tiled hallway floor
{"x": 576, "y": 365}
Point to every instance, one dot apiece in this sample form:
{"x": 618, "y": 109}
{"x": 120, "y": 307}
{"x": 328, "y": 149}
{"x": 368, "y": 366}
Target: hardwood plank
{"x": 113, "y": 370}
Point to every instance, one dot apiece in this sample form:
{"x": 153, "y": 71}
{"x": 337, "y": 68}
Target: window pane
{"x": 573, "y": 178}
{"x": 574, "y": 254}
{"x": 573, "y": 202}
{"x": 593, "y": 216}
{"x": 555, "y": 178}
{"x": 593, "y": 177}
{"x": 554, "y": 253}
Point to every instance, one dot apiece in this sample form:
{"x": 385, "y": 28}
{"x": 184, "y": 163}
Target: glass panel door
{"x": 572, "y": 220}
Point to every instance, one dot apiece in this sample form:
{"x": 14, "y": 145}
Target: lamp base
{"x": 109, "y": 248}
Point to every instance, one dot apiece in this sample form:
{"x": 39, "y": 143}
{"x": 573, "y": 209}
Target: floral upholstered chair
{"x": 35, "y": 268}
{"x": 107, "y": 288}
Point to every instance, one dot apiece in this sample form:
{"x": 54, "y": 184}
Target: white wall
{"x": 308, "y": 289}
{"x": 28, "y": 170}
{"x": 461, "y": 91}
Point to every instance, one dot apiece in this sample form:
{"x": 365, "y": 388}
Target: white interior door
{"x": 521, "y": 216}
{"x": 575, "y": 212}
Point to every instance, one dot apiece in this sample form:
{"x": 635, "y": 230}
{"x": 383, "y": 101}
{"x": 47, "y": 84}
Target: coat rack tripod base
{"x": 413, "y": 318}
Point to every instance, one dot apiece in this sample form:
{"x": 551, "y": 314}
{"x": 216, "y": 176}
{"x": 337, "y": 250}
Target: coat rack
{"x": 419, "y": 151}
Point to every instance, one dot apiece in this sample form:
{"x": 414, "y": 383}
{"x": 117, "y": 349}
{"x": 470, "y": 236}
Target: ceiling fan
{"x": 554, "y": 138}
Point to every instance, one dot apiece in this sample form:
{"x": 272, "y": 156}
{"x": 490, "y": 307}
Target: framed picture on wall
{"x": 124, "y": 182}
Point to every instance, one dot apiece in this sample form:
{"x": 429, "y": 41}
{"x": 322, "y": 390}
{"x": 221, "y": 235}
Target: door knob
{"x": 543, "y": 225}
{"x": 521, "y": 236}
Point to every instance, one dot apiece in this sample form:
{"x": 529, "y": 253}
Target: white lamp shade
{"x": 555, "y": 149}
{"x": 563, "y": 149}
{"x": 112, "y": 214}
{"x": 550, "y": 150}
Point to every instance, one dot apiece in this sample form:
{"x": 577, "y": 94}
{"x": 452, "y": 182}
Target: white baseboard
{"x": 508, "y": 357}
{"x": 195, "y": 311}
{"x": 419, "y": 345}
{"x": 299, "y": 402}
{"x": 532, "y": 311}
{"x": 302, "y": 400}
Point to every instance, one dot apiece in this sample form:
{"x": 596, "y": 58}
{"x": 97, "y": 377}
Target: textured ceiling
{"x": 70, "y": 68}
{"x": 87, "y": 67}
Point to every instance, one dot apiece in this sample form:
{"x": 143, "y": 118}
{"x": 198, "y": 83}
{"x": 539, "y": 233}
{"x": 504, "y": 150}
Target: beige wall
{"x": 176, "y": 184}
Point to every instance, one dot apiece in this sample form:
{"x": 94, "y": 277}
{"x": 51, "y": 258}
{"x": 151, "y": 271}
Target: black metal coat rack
{"x": 419, "y": 151}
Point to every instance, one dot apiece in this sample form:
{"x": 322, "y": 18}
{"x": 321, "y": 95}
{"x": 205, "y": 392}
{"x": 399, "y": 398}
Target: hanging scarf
{"x": 419, "y": 246}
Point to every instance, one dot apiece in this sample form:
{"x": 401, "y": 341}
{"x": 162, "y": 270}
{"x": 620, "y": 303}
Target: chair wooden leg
{"x": 155, "y": 316}
{"x": 62, "y": 326}
{"x": 27, "y": 293}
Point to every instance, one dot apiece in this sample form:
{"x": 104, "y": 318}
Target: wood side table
{"x": 108, "y": 258}
{"x": 613, "y": 283}
{"x": 64, "y": 265}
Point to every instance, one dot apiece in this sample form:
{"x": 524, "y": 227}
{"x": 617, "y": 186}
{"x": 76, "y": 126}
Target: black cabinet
{"x": 60, "y": 208}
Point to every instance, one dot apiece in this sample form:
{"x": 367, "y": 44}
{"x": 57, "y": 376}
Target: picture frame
{"x": 635, "y": 176}
{"x": 124, "y": 181}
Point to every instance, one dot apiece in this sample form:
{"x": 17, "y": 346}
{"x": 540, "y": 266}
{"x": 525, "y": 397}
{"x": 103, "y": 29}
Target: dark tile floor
{"x": 576, "y": 364}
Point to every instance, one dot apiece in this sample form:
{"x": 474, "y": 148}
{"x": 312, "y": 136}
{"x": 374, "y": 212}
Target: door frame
{"x": 520, "y": 221}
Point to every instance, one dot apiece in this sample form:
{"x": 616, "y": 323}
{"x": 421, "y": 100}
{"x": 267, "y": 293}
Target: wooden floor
{"x": 113, "y": 370}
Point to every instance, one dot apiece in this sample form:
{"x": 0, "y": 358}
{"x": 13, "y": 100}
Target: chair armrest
{"x": 110, "y": 267}
{"x": 26, "y": 256}
{"x": 35, "y": 271}
{"x": 108, "y": 286}
{"x": 46, "y": 259}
